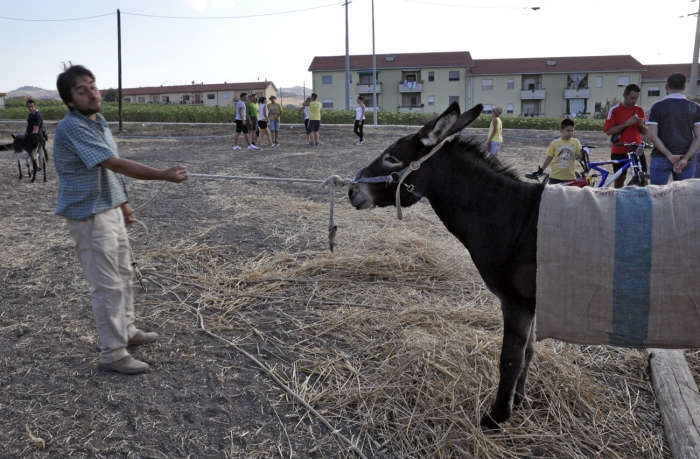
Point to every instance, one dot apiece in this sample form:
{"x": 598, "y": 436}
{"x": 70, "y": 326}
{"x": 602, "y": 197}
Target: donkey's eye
{"x": 392, "y": 160}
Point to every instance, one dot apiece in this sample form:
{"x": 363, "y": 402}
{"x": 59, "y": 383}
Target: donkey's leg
{"x": 529, "y": 353}
{"x": 44, "y": 159}
{"x": 517, "y": 322}
{"x": 34, "y": 168}
{"x": 20, "y": 169}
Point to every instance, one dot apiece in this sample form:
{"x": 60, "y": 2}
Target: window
{"x": 327, "y": 79}
{"x": 211, "y": 96}
{"x": 654, "y": 91}
{"x": 623, "y": 81}
{"x": 598, "y": 106}
{"x": 165, "y": 99}
{"x": 431, "y": 76}
{"x": 154, "y": 99}
{"x": 486, "y": 85}
{"x": 127, "y": 99}
{"x": 453, "y": 99}
{"x": 488, "y": 108}
{"x": 327, "y": 103}
{"x": 599, "y": 82}
{"x": 226, "y": 95}
{"x": 454, "y": 75}
{"x": 431, "y": 101}
{"x": 142, "y": 99}
{"x": 511, "y": 83}
{"x": 510, "y": 108}
{"x": 369, "y": 101}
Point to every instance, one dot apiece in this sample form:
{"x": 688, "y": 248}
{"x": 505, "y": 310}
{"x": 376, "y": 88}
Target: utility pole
{"x": 347, "y": 58}
{"x": 374, "y": 71}
{"x": 119, "y": 60}
{"x": 694, "y": 69}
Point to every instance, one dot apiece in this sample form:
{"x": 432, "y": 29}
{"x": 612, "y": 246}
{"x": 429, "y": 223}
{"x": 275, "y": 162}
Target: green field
{"x": 55, "y": 110}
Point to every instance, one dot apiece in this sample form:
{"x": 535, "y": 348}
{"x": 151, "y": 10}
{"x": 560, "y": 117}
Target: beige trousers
{"x": 102, "y": 246}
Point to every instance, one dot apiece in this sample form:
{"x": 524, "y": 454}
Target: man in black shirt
{"x": 35, "y": 124}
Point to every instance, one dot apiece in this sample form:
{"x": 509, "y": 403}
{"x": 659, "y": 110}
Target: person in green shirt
{"x": 314, "y": 119}
{"x": 253, "y": 119}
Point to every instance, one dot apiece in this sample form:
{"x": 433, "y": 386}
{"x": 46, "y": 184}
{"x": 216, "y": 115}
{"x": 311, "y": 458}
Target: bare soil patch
{"x": 392, "y": 338}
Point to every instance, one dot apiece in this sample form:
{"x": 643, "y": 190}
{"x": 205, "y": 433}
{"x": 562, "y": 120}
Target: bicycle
{"x": 592, "y": 170}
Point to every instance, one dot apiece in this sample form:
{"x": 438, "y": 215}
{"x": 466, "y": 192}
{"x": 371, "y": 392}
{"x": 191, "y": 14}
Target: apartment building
{"x": 415, "y": 82}
{"x": 223, "y": 94}
{"x": 654, "y": 82}
{"x": 429, "y": 82}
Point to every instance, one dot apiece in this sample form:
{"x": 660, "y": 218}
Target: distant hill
{"x": 295, "y": 92}
{"x": 33, "y": 93}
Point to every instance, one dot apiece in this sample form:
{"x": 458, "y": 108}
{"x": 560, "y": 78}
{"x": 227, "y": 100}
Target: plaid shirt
{"x": 84, "y": 187}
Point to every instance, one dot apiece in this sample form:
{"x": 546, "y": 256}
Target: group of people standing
{"x": 256, "y": 118}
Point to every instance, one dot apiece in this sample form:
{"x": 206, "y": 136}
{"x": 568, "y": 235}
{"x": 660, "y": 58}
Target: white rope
{"x": 257, "y": 179}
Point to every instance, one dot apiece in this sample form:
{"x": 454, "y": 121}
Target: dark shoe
{"x": 126, "y": 366}
{"x": 142, "y": 337}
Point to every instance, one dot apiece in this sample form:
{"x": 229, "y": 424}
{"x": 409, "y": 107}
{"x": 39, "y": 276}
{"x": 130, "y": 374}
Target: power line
{"x": 535, "y": 8}
{"x": 232, "y": 17}
{"x": 57, "y": 20}
{"x": 172, "y": 17}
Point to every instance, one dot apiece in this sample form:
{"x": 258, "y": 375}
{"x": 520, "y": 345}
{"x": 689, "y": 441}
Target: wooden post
{"x": 679, "y": 401}
{"x": 119, "y": 66}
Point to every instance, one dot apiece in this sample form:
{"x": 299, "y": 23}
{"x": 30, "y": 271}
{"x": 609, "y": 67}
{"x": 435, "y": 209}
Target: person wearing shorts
{"x": 241, "y": 125}
{"x": 274, "y": 113}
{"x": 263, "y": 120}
{"x": 495, "y": 136}
{"x": 314, "y": 120}
{"x": 253, "y": 119}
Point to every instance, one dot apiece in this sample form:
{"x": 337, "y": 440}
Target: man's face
{"x": 244, "y": 97}
{"x": 31, "y": 106}
{"x": 86, "y": 96}
{"x": 630, "y": 100}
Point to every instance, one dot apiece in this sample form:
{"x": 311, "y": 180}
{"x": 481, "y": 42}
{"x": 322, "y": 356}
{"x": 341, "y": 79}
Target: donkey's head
{"x": 376, "y": 184}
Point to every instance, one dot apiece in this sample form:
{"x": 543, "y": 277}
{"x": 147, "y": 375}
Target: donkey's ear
{"x": 436, "y": 131}
{"x": 466, "y": 119}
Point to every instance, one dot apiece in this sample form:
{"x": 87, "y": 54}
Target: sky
{"x": 277, "y": 39}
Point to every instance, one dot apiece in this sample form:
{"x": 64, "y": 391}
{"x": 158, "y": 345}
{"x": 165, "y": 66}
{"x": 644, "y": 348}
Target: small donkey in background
{"x": 26, "y": 146}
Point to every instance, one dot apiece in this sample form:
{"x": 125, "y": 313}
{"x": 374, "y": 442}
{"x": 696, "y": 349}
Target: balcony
{"x": 532, "y": 94}
{"x": 368, "y": 88}
{"x": 412, "y": 86}
{"x": 411, "y": 108}
{"x": 577, "y": 93}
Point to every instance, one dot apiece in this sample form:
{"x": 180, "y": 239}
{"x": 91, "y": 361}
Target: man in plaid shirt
{"x": 93, "y": 199}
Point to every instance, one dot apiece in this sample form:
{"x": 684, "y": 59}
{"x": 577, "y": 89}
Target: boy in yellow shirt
{"x": 562, "y": 154}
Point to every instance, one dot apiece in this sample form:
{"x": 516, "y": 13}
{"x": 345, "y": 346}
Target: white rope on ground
{"x": 200, "y": 319}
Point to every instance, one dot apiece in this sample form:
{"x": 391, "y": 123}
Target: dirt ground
{"x": 201, "y": 398}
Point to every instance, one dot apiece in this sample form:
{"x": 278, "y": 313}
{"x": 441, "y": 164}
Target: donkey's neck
{"x": 489, "y": 211}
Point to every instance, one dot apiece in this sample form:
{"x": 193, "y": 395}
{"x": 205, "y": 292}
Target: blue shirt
{"x": 675, "y": 115}
{"x": 84, "y": 187}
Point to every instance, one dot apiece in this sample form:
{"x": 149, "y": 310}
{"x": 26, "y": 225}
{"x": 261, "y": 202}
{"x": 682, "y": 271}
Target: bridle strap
{"x": 414, "y": 166}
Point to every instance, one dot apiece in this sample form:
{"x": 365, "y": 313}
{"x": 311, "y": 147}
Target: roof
{"x": 561, "y": 64}
{"x": 662, "y": 71}
{"x": 409, "y": 60}
{"x": 195, "y": 88}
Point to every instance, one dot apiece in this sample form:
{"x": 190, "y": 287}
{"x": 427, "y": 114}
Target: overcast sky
{"x": 278, "y": 44}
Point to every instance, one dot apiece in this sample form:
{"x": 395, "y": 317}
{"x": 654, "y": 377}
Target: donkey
{"x": 26, "y": 146}
{"x": 489, "y": 209}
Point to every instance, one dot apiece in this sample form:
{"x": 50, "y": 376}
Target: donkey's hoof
{"x": 489, "y": 425}
{"x": 518, "y": 398}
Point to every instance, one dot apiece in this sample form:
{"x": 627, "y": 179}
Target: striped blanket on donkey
{"x": 620, "y": 267}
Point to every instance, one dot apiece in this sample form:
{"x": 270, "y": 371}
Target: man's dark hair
{"x": 313, "y": 95}
{"x": 66, "y": 81}
{"x": 631, "y": 88}
{"x": 30, "y": 101}
{"x": 566, "y": 122}
{"x": 676, "y": 81}
{"x": 244, "y": 94}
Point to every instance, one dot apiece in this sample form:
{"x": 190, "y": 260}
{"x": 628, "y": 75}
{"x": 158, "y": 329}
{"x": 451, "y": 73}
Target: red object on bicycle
{"x": 579, "y": 182}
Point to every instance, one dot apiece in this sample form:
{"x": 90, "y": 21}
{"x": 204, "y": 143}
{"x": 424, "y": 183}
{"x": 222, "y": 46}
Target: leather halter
{"x": 399, "y": 177}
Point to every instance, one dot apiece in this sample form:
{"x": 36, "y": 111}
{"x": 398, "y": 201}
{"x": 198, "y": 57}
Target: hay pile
{"x": 395, "y": 341}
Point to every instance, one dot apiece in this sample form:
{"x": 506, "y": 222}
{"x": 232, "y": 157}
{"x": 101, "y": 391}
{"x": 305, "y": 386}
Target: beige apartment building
{"x": 223, "y": 94}
{"x": 416, "y": 82}
{"x": 654, "y": 82}
{"x": 429, "y": 82}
